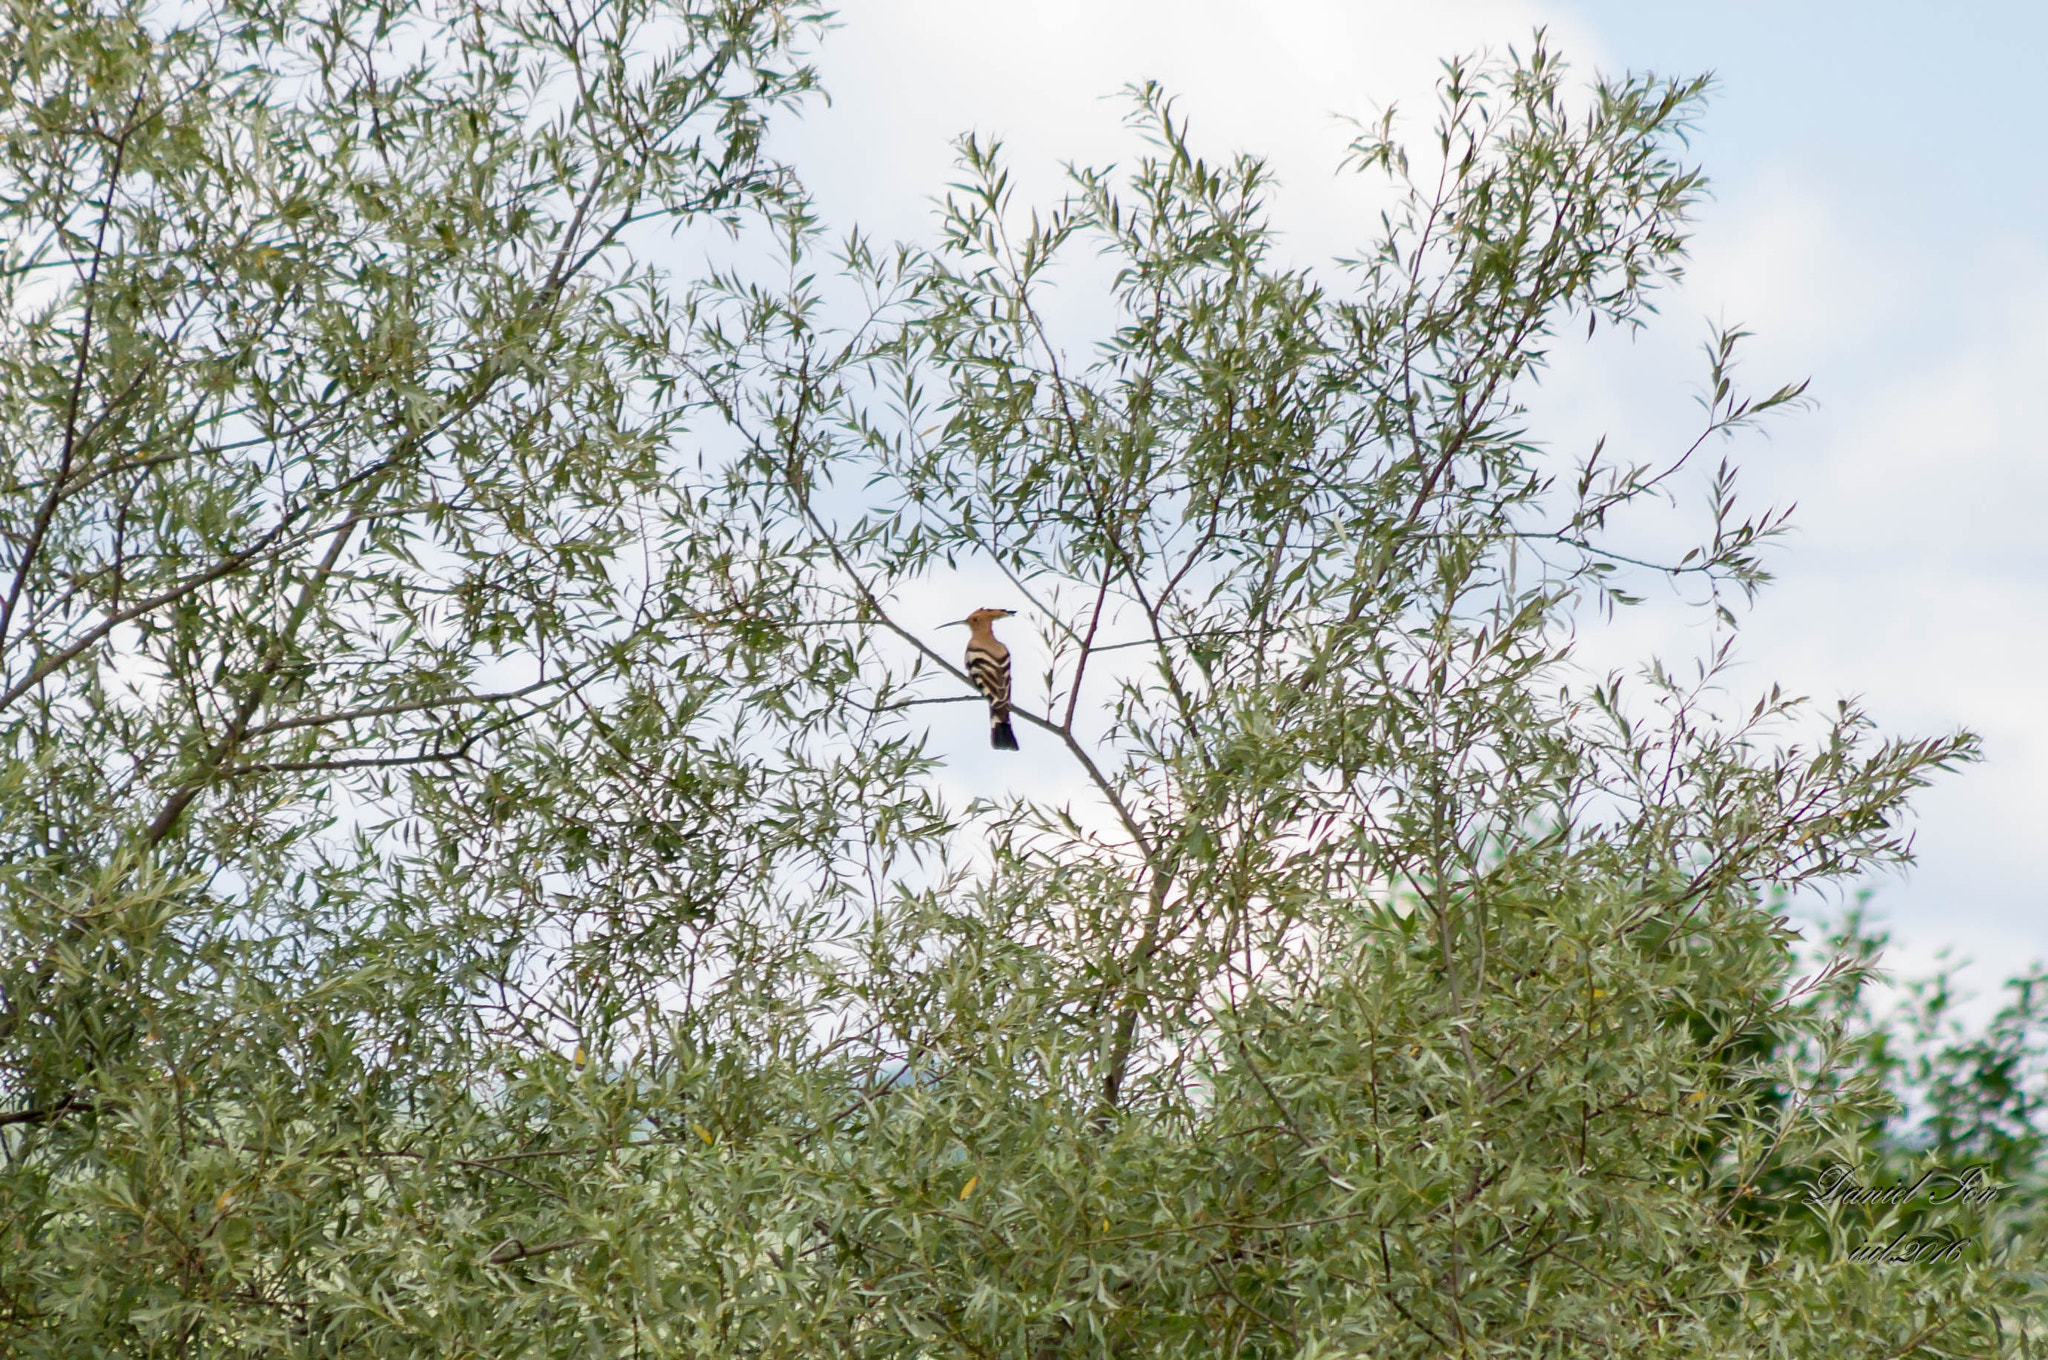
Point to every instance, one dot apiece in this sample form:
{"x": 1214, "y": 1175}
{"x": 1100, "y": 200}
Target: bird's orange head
{"x": 982, "y": 618}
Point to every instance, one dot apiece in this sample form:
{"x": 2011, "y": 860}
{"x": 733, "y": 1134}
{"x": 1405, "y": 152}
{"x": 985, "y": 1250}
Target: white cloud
{"x": 1915, "y": 577}
{"x": 908, "y": 76}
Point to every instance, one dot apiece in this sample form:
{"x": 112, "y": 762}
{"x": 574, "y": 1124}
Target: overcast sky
{"x": 1877, "y": 221}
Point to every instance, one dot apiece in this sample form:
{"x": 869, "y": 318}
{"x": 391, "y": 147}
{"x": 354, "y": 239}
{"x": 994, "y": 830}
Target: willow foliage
{"x": 476, "y": 882}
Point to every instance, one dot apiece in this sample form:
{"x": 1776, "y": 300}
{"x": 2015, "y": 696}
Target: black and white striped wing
{"x": 989, "y": 669}
{"x": 990, "y": 672}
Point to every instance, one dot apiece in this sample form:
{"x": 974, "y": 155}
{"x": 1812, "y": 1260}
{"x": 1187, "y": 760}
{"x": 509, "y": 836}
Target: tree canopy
{"x": 478, "y": 879}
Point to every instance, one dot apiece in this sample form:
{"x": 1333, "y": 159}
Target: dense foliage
{"x": 476, "y": 879}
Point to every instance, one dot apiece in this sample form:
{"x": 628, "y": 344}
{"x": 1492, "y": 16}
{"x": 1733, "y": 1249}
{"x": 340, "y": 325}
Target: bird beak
{"x": 954, "y": 623}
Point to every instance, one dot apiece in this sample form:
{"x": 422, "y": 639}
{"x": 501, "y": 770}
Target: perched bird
{"x": 988, "y": 666}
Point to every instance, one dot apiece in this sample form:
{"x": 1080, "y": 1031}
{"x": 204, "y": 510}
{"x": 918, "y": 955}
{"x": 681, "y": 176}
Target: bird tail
{"x": 1001, "y": 736}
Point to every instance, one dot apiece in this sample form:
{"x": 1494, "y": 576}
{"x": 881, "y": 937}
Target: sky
{"x": 1877, "y": 221}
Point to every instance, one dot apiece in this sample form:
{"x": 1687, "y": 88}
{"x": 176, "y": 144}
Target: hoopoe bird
{"x": 988, "y": 666}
